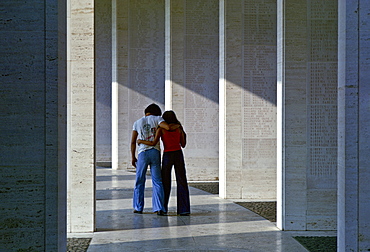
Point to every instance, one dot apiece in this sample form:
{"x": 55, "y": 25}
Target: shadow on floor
{"x": 266, "y": 210}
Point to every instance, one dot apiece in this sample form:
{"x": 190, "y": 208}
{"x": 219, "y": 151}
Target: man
{"x": 145, "y": 129}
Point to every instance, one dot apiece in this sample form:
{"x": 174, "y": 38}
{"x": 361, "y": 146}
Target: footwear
{"x": 184, "y": 214}
{"x": 138, "y": 212}
{"x": 161, "y": 213}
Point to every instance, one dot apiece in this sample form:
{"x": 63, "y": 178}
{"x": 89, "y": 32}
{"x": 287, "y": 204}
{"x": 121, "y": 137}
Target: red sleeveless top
{"x": 171, "y": 140}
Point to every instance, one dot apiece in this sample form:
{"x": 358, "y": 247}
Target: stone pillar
{"x": 81, "y": 117}
{"x": 168, "y": 55}
{"x": 103, "y": 64}
{"x": 353, "y": 126}
{"x": 192, "y": 81}
{"x": 248, "y": 99}
{"x": 61, "y": 222}
{"x": 307, "y": 108}
{"x": 32, "y": 126}
{"x": 120, "y": 127}
{"x": 140, "y": 81}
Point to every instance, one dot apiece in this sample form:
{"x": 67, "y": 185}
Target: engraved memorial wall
{"x": 139, "y": 70}
{"x": 194, "y": 78}
{"x": 146, "y": 56}
{"x": 310, "y": 115}
{"x": 259, "y": 99}
{"x": 248, "y": 83}
{"x": 322, "y": 114}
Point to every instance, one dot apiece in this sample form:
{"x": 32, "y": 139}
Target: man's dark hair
{"x": 153, "y": 109}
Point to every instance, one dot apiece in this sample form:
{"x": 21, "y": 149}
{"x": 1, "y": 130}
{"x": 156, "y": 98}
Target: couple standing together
{"x": 146, "y": 133}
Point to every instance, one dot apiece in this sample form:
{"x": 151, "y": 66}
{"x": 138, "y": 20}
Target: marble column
{"x": 32, "y": 126}
{"x": 353, "y": 126}
{"x": 192, "y": 81}
{"x": 120, "y": 127}
{"x": 307, "y": 114}
{"x": 248, "y": 100}
{"x": 81, "y": 117}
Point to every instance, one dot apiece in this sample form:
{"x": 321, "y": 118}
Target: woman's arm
{"x": 155, "y": 141}
{"x": 182, "y": 137}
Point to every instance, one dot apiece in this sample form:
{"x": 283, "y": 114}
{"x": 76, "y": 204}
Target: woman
{"x": 173, "y": 142}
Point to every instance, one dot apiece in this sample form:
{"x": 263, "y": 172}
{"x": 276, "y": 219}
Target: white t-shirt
{"x": 146, "y": 128}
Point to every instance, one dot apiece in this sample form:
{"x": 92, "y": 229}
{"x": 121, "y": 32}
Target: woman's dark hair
{"x": 170, "y": 117}
{"x": 153, "y": 109}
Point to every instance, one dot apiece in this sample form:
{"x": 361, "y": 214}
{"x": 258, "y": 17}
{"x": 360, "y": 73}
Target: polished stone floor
{"x": 214, "y": 225}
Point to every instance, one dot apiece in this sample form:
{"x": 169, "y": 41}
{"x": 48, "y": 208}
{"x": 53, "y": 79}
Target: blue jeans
{"x": 152, "y": 158}
{"x": 176, "y": 159}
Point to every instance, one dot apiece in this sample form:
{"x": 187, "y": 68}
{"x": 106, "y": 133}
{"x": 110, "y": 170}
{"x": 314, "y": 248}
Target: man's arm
{"x": 164, "y": 125}
{"x": 133, "y": 148}
{"x": 155, "y": 141}
{"x": 169, "y": 127}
